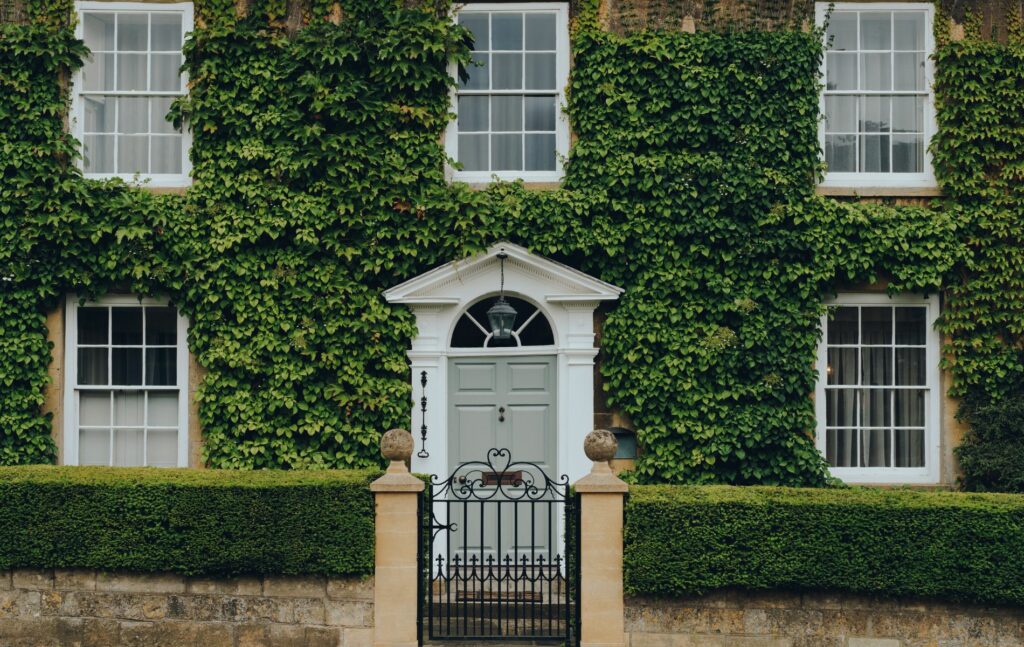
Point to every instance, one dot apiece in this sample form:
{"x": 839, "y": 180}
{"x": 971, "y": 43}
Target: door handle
{"x": 501, "y": 414}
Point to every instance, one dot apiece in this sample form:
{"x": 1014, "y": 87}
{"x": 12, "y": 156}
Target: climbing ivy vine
{"x": 319, "y": 181}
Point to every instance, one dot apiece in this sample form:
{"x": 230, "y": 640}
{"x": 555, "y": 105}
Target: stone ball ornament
{"x": 600, "y": 445}
{"x": 396, "y": 445}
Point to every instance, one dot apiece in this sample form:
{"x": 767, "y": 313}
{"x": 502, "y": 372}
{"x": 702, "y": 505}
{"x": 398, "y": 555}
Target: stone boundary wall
{"x": 81, "y": 608}
{"x": 775, "y": 619}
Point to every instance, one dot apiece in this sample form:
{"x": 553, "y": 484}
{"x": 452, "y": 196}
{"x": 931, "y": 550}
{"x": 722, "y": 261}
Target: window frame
{"x": 72, "y": 388}
{"x": 925, "y": 179}
{"x": 77, "y": 111}
{"x": 929, "y": 474}
{"x": 563, "y": 56}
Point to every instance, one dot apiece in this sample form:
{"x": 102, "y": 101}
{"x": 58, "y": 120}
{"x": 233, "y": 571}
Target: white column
{"x": 428, "y": 355}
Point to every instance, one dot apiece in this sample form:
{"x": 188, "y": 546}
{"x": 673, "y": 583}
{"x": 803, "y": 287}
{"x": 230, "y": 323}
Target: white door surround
{"x": 566, "y": 296}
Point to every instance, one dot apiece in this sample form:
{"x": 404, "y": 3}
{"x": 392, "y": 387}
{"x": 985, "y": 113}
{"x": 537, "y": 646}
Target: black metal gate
{"x": 499, "y": 550}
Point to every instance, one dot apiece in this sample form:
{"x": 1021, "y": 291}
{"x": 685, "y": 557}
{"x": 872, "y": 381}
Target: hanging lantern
{"x": 501, "y": 315}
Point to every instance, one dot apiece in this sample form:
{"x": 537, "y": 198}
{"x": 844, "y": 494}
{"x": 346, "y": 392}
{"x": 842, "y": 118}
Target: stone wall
{"x": 738, "y": 619}
{"x": 94, "y": 609}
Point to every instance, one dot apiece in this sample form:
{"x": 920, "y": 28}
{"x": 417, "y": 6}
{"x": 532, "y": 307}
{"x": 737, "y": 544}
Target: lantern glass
{"x": 502, "y": 316}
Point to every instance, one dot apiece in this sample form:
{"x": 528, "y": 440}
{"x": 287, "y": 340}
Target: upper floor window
{"x": 124, "y": 91}
{"x": 126, "y": 372}
{"x": 878, "y": 389}
{"x": 877, "y": 100}
{"x": 509, "y": 120}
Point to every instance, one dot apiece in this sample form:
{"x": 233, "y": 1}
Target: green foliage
{"x": 689, "y": 540}
{"x": 195, "y": 522}
{"x": 992, "y": 454}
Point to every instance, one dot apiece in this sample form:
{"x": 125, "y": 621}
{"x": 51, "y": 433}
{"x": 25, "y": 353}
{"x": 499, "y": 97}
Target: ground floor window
{"x": 126, "y": 376}
{"x": 878, "y": 392}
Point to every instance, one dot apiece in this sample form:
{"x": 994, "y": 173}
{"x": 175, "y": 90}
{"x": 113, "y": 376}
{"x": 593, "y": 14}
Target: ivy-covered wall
{"x": 318, "y": 182}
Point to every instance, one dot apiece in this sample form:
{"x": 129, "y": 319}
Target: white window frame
{"x": 929, "y": 474}
{"x": 168, "y": 180}
{"x": 562, "y": 136}
{"x": 923, "y": 180}
{"x": 72, "y": 389}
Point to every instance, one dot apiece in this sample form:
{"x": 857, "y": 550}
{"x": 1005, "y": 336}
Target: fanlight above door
{"x": 531, "y": 328}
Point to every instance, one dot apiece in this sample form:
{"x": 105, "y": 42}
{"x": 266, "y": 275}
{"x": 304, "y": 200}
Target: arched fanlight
{"x": 501, "y": 315}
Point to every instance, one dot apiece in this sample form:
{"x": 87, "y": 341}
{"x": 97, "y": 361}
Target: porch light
{"x": 501, "y": 315}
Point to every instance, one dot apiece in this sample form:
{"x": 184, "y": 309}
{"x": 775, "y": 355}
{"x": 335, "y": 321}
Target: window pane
{"x": 842, "y": 366}
{"x": 909, "y": 447}
{"x": 507, "y": 152}
{"x": 165, "y": 76}
{"x": 132, "y": 115}
{"x": 909, "y": 31}
{"x": 158, "y": 122}
{"x": 508, "y": 113}
{"x": 540, "y": 31}
{"x": 129, "y": 407}
{"x": 94, "y": 409}
{"x": 910, "y": 408}
{"x": 163, "y": 409}
{"x": 128, "y": 447}
{"x": 876, "y": 325}
{"x": 98, "y": 31}
{"x": 127, "y": 326}
{"x": 840, "y": 114}
{"x": 841, "y": 447}
{"x": 166, "y": 151}
{"x": 94, "y": 447}
{"x": 540, "y": 113}
{"x": 876, "y": 407}
{"x": 507, "y": 30}
{"x": 911, "y": 366}
{"x": 875, "y": 72}
{"x": 131, "y": 71}
{"x": 874, "y": 30}
{"x": 874, "y": 153}
{"x": 876, "y": 448}
{"x": 540, "y": 71}
{"x": 842, "y": 30}
{"x": 842, "y": 71}
{"x": 162, "y": 448}
{"x": 166, "y": 32}
{"x": 473, "y": 114}
{"x": 507, "y": 71}
{"x": 907, "y": 114}
{"x": 840, "y": 408}
{"x": 874, "y": 114}
{"x": 161, "y": 366}
{"x": 133, "y": 154}
{"x": 910, "y": 326}
{"x": 127, "y": 366}
{"x": 131, "y": 32}
{"x": 161, "y": 326}
{"x": 842, "y": 327}
{"x": 473, "y": 152}
{"x": 92, "y": 326}
{"x": 876, "y": 366}
{"x": 477, "y": 23}
{"x": 98, "y": 154}
{"x": 540, "y": 152}
{"x": 909, "y": 72}
{"x": 98, "y": 72}
{"x": 907, "y": 153}
{"x": 477, "y": 73}
{"x": 841, "y": 153}
{"x": 92, "y": 366}
{"x": 99, "y": 114}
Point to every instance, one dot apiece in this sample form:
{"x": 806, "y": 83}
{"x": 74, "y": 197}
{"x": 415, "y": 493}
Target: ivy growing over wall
{"x": 319, "y": 182}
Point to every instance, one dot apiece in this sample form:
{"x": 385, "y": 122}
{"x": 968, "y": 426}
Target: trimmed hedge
{"x": 684, "y": 540}
{"x": 194, "y": 522}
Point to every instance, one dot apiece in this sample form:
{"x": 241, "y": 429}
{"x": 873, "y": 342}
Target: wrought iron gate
{"x": 499, "y": 549}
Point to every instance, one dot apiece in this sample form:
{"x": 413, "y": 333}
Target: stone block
{"x": 705, "y": 640}
{"x": 358, "y": 637}
{"x": 251, "y": 635}
{"x": 176, "y": 634}
{"x": 29, "y": 631}
{"x": 50, "y": 602}
{"x": 294, "y": 587}
{"x": 5, "y": 580}
{"x": 74, "y": 580}
{"x": 20, "y": 604}
{"x": 127, "y": 606}
{"x": 345, "y": 613}
{"x": 350, "y": 588}
{"x": 227, "y": 586}
{"x": 32, "y": 578}
{"x": 872, "y": 642}
{"x": 308, "y": 611}
{"x": 140, "y": 582}
{"x": 286, "y": 636}
{"x": 322, "y": 637}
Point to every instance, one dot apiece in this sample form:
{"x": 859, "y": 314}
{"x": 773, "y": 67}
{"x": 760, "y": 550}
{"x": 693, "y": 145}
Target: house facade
{"x": 125, "y": 390}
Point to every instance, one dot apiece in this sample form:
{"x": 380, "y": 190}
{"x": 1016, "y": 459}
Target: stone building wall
{"x": 77, "y": 608}
{"x": 774, "y": 619}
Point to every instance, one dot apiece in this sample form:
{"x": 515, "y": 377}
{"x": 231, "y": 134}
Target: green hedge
{"x": 684, "y": 540}
{"x": 187, "y": 521}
